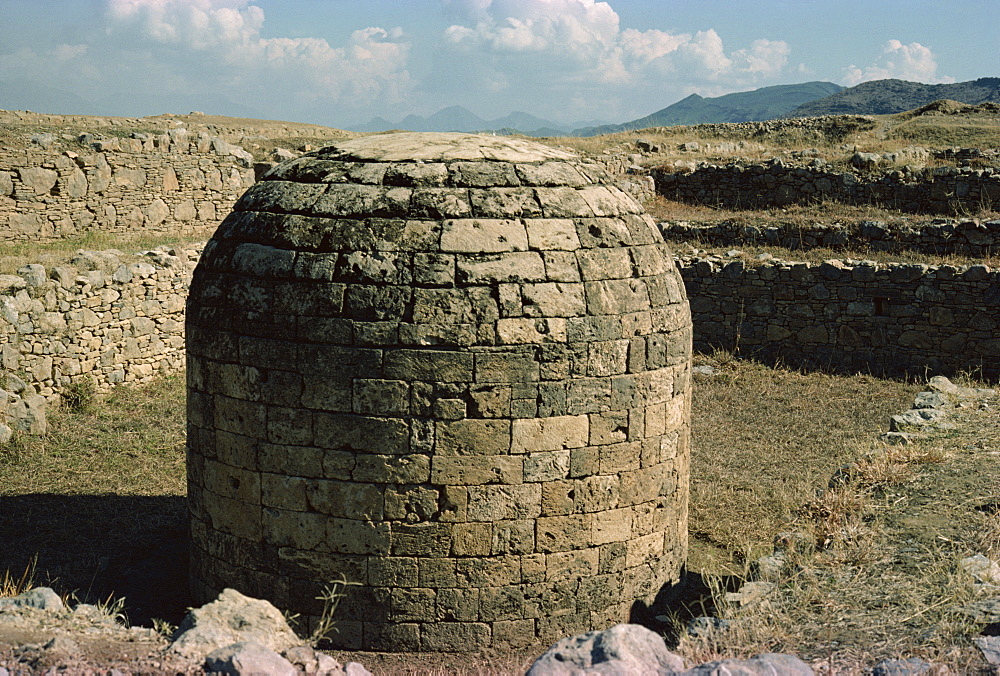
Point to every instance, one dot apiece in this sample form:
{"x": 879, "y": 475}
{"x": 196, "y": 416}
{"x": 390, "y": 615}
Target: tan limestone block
{"x": 284, "y": 492}
{"x": 413, "y": 604}
{"x": 393, "y": 571}
{"x": 300, "y": 530}
{"x": 472, "y": 437}
{"x": 616, "y": 296}
{"x": 561, "y": 266}
{"x": 392, "y": 469}
{"x": 485, "y": 269}
{"x": 553, "y": 299}
{"x": 454, "y": 636}
{"x": 483, "y": 235}
{"x": 572, "y": 565}
{"x": 533, "y": 568}
{"x": 597, "y": 264}
{"x": 410, "y": 503}
{"x": 514, "y": 633}
{"x": 558, "y": 497}
{"x": 597, "y": 493}
{"x": 612, "y": 526}
{"x": 476, "y": 470}
{"x": 610, "y": 427}
{"x": 489, "y": 571}
{"x": 546, "y": 466}
{"x": 498, "y": 502}
{"x": 501, "y": 603}
{"x": 643, "y": 549}
{"x": 584, "y": 461}
{"x": 548, "y": 234}
{"x": 460, "y": 605}
{"x": 438, "y": 572}
{"x": 615, "y": 458}
{"x": 513, "y": 537}
{"x": 231, "y": 482}
{"x": 350, "y": 500}
{"x": 549, "y": 434}
{"x": 563, "y": 533}
{"x": 349, "y": 536}
{"x": 526, "y": 330}
{"x": 472, "y": 539}
{"x": 421, "y": 539}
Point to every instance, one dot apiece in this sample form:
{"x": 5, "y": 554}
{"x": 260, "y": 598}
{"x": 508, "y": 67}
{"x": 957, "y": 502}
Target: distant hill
{"x": 884, "y": 97}
{"x": 760, "y": 104}
{"x": 457, "y": 118}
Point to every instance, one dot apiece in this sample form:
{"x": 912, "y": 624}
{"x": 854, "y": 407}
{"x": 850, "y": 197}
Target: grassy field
{"x": 97, "y": 499}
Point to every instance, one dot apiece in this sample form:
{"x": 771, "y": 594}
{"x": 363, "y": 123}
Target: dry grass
{"x": 18, "y": 254}
{"x": 879, "y": 574}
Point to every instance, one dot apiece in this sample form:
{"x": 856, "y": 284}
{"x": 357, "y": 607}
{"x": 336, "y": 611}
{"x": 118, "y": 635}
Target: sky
{"x": 342, "y": 62}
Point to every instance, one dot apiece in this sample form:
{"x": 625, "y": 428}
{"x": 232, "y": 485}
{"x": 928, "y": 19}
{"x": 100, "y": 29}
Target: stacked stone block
{"x": 177, "y": 186}
{"x": 452, "y": 369}
{"x": 938, "y": 190}
{"x": 851, "y": 315}
{"x": 98, "y": 316}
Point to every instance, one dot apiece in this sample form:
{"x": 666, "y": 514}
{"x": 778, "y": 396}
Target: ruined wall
{"x": 942, "y": 190}
{"x": 946, "y": 236}
{"x": 849, "y": 315}
{"x": 170, "y": 183}
{"x": 96, "y": 318}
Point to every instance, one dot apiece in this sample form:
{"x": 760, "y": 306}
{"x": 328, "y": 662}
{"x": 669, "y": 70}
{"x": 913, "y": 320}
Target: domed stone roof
{"x": 453, "y": 369}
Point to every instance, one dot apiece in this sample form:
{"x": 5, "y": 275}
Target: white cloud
{"x": 227, "y": 36}
{"x": 578, "y": 47}
{"x": 904, "y": 62}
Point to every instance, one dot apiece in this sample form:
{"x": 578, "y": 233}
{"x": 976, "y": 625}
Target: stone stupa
{"x": 452, "y": 369}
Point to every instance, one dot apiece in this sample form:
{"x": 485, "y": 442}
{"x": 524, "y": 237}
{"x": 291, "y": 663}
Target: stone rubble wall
{"x": 96, "y": 318}
{"x": 849, "y": 315}
{"x": 946, "y": 236}
{"x": 168, "y": 183}
{"x": 941, "y": 190}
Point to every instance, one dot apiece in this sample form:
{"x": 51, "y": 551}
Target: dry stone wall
{"x": 95, "y": 318}
{"x": 942, "y": 190}
{"x": 168, "y": 182}
{"x": 973, "y": 238}
{"x": 849, "y": 315}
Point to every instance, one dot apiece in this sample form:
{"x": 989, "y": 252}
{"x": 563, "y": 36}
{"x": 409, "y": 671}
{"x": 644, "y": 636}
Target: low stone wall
{"x": 947, "y": 236}
{"x": 170, "y": 183}
{"x": 96, "y": 318}
{"x": 942, "y": 190}
{"x": 849, "y": 315}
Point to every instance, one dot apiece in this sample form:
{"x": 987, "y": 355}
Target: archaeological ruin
{"x": 451, "y": 369}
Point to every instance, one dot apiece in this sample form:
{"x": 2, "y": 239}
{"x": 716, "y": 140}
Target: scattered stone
{"x": 768, "y": 664}
{"x": 990, "y": 647}
{"x": 916, "y": 419}
{"x": 61, "y": 645}
{"x": 771, "y": 568}
{"x": 704, "y": 370}
{"x": 232, "y": 618}
{"x": 909, "y": 666}
{"x": 942, "y": 384}
{"x": 935, "y": 400}
{"x": 622, "y": 650}
{"x": 982, "y": 569}
{"x": 902, "y": 438}
{"x": 750, "y": 593}
{"x": 246, "y": 658}
{"x": 984, "y": 612}
{"x": 706, "y": 627}
{"x": 43, "y": 598}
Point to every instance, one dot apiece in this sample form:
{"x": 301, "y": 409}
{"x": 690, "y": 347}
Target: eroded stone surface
{"x": 452, "y": 369}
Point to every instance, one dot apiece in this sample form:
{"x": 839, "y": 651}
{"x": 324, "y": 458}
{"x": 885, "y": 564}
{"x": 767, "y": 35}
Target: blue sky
{"x": 341, "y": 62}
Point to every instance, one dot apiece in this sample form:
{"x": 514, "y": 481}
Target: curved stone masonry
{"x": 454, "y": 370}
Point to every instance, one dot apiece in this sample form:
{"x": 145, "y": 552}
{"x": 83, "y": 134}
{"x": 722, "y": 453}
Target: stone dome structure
{"x": 451, "y": 369}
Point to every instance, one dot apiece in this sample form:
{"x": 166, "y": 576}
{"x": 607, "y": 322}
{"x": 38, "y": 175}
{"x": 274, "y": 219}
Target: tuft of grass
{"x": 12, "y": 585}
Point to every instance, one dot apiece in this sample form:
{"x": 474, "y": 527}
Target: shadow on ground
{"x": 96, "y": 547}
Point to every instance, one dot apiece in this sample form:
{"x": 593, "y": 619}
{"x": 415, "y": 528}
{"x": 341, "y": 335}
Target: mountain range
{"x": 760, "y": 104}
{"x": 877, "y": 97}
{"x": 884, "y": 97}
{"x": 457, "y": 118}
